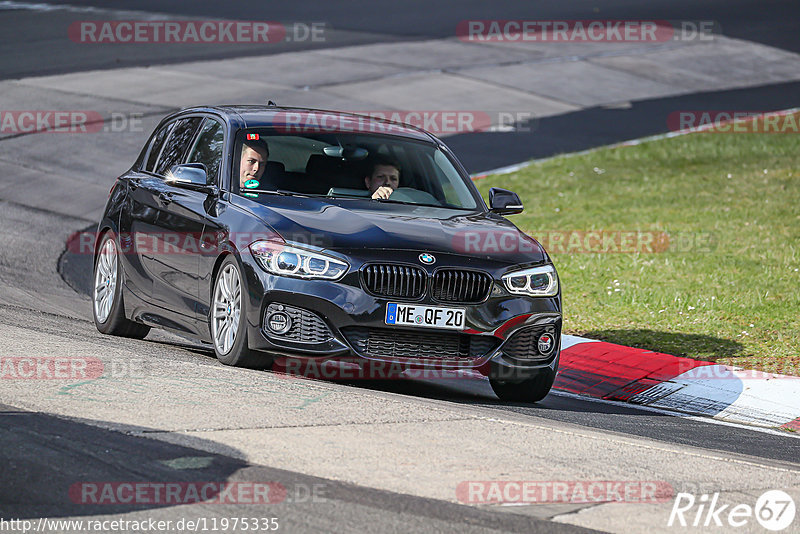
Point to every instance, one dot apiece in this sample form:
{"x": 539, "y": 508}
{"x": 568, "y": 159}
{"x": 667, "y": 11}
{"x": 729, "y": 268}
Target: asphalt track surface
{"x": 34, "y": 47}
{"x": 42, "y": 453}
{"x": 773, "y": 23}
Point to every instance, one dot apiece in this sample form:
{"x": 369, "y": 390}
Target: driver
{"x": 254, "y": 161}
{"x": 383, "y": 177}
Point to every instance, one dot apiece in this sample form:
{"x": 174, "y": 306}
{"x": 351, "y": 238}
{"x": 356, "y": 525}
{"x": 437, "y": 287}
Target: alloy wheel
{"x": 105, "y": 280}
{"x": 227, "y": 309}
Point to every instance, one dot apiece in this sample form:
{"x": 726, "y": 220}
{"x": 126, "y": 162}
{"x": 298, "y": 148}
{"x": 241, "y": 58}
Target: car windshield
{"x": 348, "y": 165}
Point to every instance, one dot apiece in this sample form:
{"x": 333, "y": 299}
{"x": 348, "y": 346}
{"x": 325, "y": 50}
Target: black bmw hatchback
{"x": 297, "y": 235}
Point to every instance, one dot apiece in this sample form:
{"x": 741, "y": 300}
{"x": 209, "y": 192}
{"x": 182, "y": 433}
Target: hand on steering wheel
{"x": 383, "y": 192}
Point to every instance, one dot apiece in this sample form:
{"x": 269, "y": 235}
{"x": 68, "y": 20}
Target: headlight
{"x": 286, "y": 260}
{"x": 536, "y": 281}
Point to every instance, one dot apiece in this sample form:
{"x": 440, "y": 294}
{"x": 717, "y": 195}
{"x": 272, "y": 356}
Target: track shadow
{"x": 702, "y": 346}
{"x": 76, "y": 263}
{"x": 54, "y": 467}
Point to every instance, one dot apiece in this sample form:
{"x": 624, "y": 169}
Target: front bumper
{"x": 340, "y": 321}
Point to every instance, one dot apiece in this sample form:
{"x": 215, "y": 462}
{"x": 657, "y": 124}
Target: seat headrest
{"x": 273, "y": 167}
{"x": 321, "y": 165}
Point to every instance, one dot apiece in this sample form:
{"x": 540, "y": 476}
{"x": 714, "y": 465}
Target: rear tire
{"x": 228, "y": 319}
{"x": 108, "y": 309}
{"x": 530, "y": 390}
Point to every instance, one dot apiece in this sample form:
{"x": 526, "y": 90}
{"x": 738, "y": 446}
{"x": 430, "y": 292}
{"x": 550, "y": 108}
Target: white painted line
{"x": 731, "y": 393}
{"x": 7, "y": 5}
{"x": 662, "y": 411}
{"x": 44, "y": 7}
{"x": 568, "y": 341}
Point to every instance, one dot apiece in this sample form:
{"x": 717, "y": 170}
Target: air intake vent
{"x": 418, "y": 345}
{"x": 306, "y": 326}
{"x": 522, "y": 345}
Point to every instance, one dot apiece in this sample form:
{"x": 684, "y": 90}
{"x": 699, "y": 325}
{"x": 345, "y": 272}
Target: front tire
{"x": 530, "y": 390}
{"x": 228, "y": 319}
{"x": 108, "y": 309}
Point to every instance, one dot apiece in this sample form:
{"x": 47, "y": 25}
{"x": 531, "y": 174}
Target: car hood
{"x": 361, "y": 224}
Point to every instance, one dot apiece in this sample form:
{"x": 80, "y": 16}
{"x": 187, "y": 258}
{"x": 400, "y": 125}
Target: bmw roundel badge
{"x": 427, "y": 259}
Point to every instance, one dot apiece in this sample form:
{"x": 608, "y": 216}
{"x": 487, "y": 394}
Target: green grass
{"x": 726, "y": 289}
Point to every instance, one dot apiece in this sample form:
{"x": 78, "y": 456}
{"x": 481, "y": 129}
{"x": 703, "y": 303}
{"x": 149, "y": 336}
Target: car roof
{"x": 255, "y": 116}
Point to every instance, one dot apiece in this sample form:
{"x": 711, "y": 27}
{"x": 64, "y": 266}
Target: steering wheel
{"x": 409, "y": 194}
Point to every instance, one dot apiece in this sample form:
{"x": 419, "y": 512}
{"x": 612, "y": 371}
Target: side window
{"x": 177, "y": 144}
{"x": 156, "y": 143}
{"x": 207, "y": 148}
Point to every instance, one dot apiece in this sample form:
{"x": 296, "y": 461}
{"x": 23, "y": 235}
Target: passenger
{"x": 383, "y": 177}
{"x": 254, "y": 161}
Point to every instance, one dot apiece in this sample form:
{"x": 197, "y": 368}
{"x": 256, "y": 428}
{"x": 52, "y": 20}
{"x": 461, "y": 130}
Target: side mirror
{"x": 190, "y": 176}
{"x": 504, "y": 202}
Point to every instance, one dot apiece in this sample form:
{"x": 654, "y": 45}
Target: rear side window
{"x": 207, "y": 148}
{"x": 156, "y": 143}
{"x": 177, "y": 144}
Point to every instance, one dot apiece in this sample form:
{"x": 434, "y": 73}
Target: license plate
{"x": 425, "y": 316}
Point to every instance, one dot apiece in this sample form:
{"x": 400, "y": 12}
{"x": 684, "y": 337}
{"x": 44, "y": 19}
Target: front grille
{"x": 523, "y": 344}
{"x": 387, "y": 280}
{"x": 307, "y": 327}
{"x": 418, "y": 345}
{"x": 455, "y": 285}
